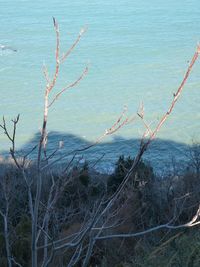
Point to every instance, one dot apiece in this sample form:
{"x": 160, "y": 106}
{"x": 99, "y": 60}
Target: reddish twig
{"x": 82, "y": 31}
{"x": 69, "y": 86}
{"x": 176, "y": 95}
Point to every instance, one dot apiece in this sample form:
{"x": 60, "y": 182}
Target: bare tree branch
{"x": 69, "y": 86}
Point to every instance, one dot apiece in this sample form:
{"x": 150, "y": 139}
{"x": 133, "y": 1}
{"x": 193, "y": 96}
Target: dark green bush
{"x": 3, "y": 262}
{"x": 84, "y": 175}
{"x": 2, "y": 245}
{"x": 143, "y": 174}
{"x": 22, "y": 243}
{"x": 94, "y": 191}
{"x": 84, "y": 179}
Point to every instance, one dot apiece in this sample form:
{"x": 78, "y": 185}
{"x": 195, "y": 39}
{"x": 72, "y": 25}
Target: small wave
{"x": 4, "y": 69}
{"x": 6, "y": 50}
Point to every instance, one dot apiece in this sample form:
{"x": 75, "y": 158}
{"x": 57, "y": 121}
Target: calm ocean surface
{"x": 136, "y": 51}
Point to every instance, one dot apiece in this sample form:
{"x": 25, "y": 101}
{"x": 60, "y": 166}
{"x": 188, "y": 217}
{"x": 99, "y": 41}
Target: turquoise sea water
{"x": 136, "y": 51}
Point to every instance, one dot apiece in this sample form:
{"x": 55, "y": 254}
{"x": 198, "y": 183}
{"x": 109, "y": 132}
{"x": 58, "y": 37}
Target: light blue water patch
{"x": 137, "y": 51}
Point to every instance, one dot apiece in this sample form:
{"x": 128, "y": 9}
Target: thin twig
{"x": 69, "y": 86}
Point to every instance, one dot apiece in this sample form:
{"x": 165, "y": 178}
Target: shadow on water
{"x": 163, "y": 155}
